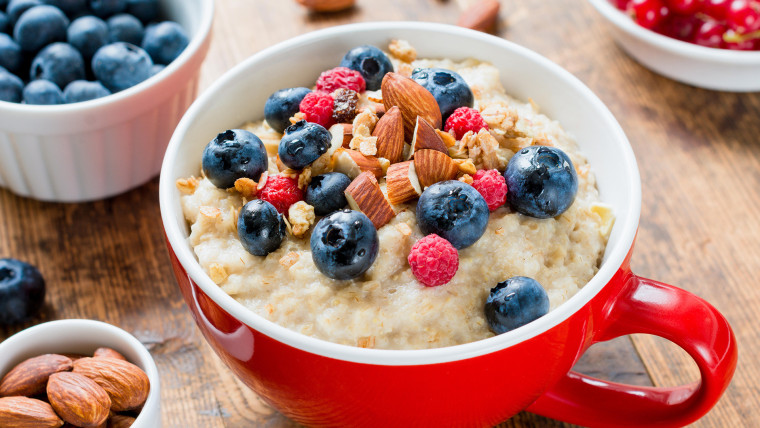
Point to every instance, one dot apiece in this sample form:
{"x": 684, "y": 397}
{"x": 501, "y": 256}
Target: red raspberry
{"x": 465, "y": 119}
{"x": 434, "y": 260}
{"x": 282, "y": 192}
{"x": 492, "y": 186}
{"x": 318, "y": 108}
{"x": 341, "y": 77}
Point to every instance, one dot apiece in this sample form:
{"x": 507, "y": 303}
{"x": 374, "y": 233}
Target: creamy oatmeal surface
{"x": 386, "y": 307}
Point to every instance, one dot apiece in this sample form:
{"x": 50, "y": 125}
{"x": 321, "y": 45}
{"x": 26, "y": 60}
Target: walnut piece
{"x": 402, "y": 50}
{"x": 301, "y": 217}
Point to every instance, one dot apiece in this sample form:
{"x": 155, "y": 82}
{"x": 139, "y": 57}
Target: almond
{"x": 30, "y": 376}
{"x": 433, "y": 166}
{"x": 412, "y": 99}
{"x": 402, "y": 182}
{"x": 353, "y": 163}
{"x": 77, "y": 399}
{"x": 364, "y": 194}
{"x": 348, "y": 133}
{"x": 425, "y": 137}
{"x": 390, "y": 135}
{"x": 125, "y": 383}
{"x": 326, "y": 5}
{"x": 120, "y": 421}
{"x": 24, "y": 412}
{"x": 480, "y": 16}
{"x": 109, "y": 353}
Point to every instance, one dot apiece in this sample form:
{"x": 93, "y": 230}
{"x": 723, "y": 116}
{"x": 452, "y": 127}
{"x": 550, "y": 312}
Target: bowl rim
{"x": 674, "y": 46}
{"x": 178, "y": 245}
{"x": 196, "y": 42}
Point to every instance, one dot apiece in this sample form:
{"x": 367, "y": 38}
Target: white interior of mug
{"x": 239, "y": 96}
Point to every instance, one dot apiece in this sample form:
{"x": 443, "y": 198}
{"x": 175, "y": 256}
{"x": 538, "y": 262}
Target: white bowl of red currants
{"x": 712, "y": 44}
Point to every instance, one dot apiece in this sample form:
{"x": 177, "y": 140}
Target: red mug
{"x": 482, "y": 383}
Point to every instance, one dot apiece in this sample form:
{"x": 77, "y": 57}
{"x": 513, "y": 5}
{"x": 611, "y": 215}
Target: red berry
{"x": 681, "y": 27}
{"x": 492, "y": 186}
{"x": 710, "y": 34}
{"x": 465, "y": 119}
{"x": 716, "y": 9}
{"x": 282, "y": 192}
{"x": 434, "y": 260}
{"x": 743, "y": 16}
{"x": 318, "y": 108}
{"x": 684, "y": 7}
{"x": 621, "y": 4}
{"x": 745, "y": 45}
{"x": 341, "y": 77}
{"x": 648, "y": 13}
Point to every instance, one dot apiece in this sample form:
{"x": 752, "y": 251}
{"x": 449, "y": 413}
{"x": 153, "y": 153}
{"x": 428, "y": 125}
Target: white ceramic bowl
{"x": 103, "y": 147}
{"x": 710, "y": 68}
{"x": 77, "y": 336}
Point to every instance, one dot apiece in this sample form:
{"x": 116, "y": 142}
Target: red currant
{"x": 648, "y": 13}
{"x": 716, "y": 9}
{"x": 710, "y": 34}
{"x": 621, "y": 4}
{"x": 743, "y": 17}
{"x": 681, "y": 27}
{"x": 684, "y": 7}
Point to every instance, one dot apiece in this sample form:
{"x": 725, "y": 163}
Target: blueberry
{"x": 282, "y": 105}
{"x": 42, "y": 92}
{"x": 514, "y": 303}
{"x": 371, "y": 62}
{"x": 22, "y": 291}
{"x": 17, "y": 7}
{"x": 83, "y": 90}
{"x": 5, "y": 23}
{"x": 121, "y": 65}
{"x": 454, "y": 211}
{"x": 10, "y": 54}
{"x": 542, "y": 182}
{"x": 325, "y": 192}
{"x": 157, "y": 68}
{"x": 144, "y": 10}
{"x": 164, "y": 41}
{"x": 87, "y": 34}
{"x": 234, "y": 154}
{"x": 58, "y": 62}
{"x": 303, "y": 143}
{"x": 260, "y": 227}
{"x": 107, "y": 8}
{"x": 449, "y": 88}
{"x": 40, "y": 26}
{"x": 69, "y": 7}
{"x": 125, "y": 28}
{"x": 11, "y": 87}
{"x": 344, "y": 244}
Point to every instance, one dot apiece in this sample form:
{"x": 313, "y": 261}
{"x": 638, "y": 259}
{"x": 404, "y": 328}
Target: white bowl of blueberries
{"x": 91, "y": 90}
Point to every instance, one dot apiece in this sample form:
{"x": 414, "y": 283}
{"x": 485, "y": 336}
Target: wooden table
{"x": 698, "y": 153}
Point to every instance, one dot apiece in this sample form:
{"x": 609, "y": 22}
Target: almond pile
{"x": 104, "y": 390}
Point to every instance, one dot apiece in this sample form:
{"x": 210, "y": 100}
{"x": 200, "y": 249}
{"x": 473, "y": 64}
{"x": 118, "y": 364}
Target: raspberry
{"x": 282, "y": 192}
{"x": 341, "y": 77}
{"x": 434, "y": 260}
{"x": 492, "y": 186}
{"x": 465, "y": 119}
{"x": 318, "y": 108}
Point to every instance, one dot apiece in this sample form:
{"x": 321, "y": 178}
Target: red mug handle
{"x": 650, "y": 307}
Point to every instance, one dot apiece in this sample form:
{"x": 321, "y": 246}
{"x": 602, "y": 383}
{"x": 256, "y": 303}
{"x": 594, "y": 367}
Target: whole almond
{"x": 481, "y": 15}
{"x": 120, "y": 421}
{"x": 23, "y": 412}
{"x": 326, "y": 5}
{"x": 108, "y": 352}
{"x": 364, "y": 194}
{"x": 78, "y": 400}
{"x": 412, "y": 99}
{"x": 125, "y": 383}
{"x": 30, "y": 376}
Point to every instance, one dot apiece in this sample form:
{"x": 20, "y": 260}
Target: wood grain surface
{"x": 698, "y": 153}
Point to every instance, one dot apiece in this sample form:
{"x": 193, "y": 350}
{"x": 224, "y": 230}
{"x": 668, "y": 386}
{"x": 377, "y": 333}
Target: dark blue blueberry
{"x": 69, "y": 7}
{"x": 449, "y": 88}
{"x": 542, "y": 182}
{"x": 17, "y": 7}
{"x": 514, "y": 303}
{"x": 11, "y": 87}
{"x": 157, "y": 68}
{"x": 371, "y": 62}
{"x": 22, "y": 291}
{"x": 144, "y": 10}
{"x": 40, "y": 26}
{"x": 42, "y": 92}
{"x": 87, "y": 34}
{"x": 58, "y": 62}
{"x": 165, "y": 41}
{"x": 454, "y": 211}
{"x": 303, "y": 143}
{"x": 82, "y": 90}
{"x": 10, "y": 53}
{"x": 344, "y": 244}
{"x": 107, "y": 8}
{"x": 282, "y": 105}
{"x": 121, "y": 65}
{"x": 125, "y": 28}
{"x": 325, "y": 192}
{"x": 260, "y": 227}
{"x": 5, "y": 23}
{"x": 3, "y": 4}
{"x": 233, "y": 154}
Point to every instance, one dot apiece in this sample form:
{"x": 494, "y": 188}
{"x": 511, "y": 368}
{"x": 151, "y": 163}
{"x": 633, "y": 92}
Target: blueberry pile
{"x": 68, "y": 51}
